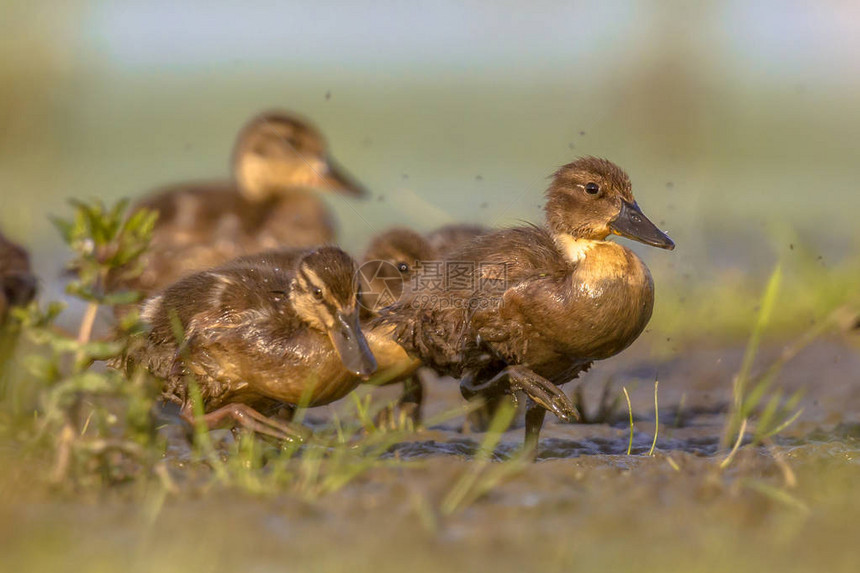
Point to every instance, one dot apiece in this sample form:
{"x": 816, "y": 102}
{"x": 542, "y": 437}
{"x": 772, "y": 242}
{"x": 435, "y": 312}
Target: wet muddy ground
{"x": 790, "y": 505}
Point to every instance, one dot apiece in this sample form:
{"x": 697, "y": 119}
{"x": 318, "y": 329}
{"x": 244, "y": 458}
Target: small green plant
{"x": 95, "y": 421}
{"x": 483, "y": 476}
{"x": 107, "y": 246}
{"x": 333, "y": 457}
{"x": 754, "y": 397}
{"x": 630, "y": 414}
{"x": 656, "y": 418}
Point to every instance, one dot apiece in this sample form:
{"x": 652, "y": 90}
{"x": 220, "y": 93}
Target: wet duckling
{"x": 278, "y": 160}
{"x": 17, "y": 282}
{"x": 261, "y": 331}
{"x": 539, "y": 304}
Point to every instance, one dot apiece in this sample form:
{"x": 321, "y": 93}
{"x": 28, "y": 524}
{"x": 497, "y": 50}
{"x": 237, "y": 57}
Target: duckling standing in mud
{"x": 529, "y": 308}
{"x": 258, "y": 333}
{"x": 17, "y": 283}
{"x": 278, "y": 160}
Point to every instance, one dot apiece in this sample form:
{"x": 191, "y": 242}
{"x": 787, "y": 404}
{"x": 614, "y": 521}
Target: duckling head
{"x": 325, "y": 294}
{"x": 389, "y": 263}
{"x": 278, "y": 152}
{"x": 17, "y": 283}
{"x": 592, "y": 198}
{"x": 18, "y": 288}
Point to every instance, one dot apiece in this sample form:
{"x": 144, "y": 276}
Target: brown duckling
{"x": 278, "y": 160}
{"x": 539, "y": 304}
{"x": 389, "y": 263}
{"x": 17, "y": 282}
{"x": 387, "y": 268}
{"x": 259, "y": 333}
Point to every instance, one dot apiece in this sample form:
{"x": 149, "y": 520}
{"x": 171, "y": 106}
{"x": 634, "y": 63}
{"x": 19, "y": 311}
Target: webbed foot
{"x": 542, "y": 396}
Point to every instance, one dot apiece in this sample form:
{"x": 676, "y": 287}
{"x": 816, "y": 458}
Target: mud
{"x": 789, "y": 505}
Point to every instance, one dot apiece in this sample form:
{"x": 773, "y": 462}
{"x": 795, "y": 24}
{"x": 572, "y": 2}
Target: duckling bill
{"x": 261, "y": 331}
{"x": 562, "y": 296}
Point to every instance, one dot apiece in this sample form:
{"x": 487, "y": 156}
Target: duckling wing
{"x": 231, "y": 321}
{"x": 209, "y": 302}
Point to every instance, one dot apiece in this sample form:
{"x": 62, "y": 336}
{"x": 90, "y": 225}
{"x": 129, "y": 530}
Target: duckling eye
{"x": 317, "y": 293}
{"x": 592, "y": 188}
{"x": 403, "y": 267}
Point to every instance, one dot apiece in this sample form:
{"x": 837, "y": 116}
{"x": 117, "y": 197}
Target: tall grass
{"x": 756, "y": 399}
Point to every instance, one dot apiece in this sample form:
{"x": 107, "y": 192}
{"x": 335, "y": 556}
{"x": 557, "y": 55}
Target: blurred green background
{"x": 739, "y": 122}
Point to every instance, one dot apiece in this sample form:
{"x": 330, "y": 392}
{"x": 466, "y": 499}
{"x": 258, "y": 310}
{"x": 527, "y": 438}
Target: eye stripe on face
{"x": 303, "y": 281}
{"x": 312, "y": 281}
{"x": 330, "y": 307}
{"x": 313, "y": 278}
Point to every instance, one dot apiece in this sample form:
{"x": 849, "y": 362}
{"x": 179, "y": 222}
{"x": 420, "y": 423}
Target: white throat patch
{"x": 574, "y": 249}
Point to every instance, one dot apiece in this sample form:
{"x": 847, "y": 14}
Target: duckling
{"x": 277, "y": 160}
{"x": 261, "y": 331}
{"x": 389, "y": 263}
{"x": 391, "y": 259}
{"x": 17, "y": 283}
{"x": 539, "y": 304}
{"x": 387, "y": 268}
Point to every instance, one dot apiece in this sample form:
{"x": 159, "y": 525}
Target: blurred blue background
{"x": 737, "y": 121}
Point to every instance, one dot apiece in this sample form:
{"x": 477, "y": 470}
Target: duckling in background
{"x": 259, "y": 332}
{"x": 17, "y": 282}
{"x": 450, "y": 237}
{"x": 278, "y": 161}
{"x": 387, "y": 268}
{"x": 540, "y": 304}
{"x": 389, "y": 263}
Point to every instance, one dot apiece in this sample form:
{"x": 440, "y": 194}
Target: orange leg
{"x": 245, "y": 416}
